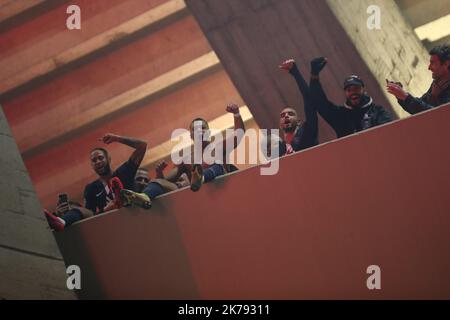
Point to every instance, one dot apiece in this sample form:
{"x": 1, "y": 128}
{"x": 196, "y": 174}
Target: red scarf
{"x": 288, "y": 137}
{"x": 437, "y": 88}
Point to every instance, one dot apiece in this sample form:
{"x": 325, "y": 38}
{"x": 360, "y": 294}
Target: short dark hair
{"x": 289, "y": 107}
{"x": 442, "y": 51}
{"x": 105, "y": 152}
{"x": 200, "y": 119}
{"x": 142, "y": 169}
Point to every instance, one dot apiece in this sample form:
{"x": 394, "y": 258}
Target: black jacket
{"x": 415, "y": 105}
{"x": 345, "y": 120}
{"x": 306, "y": 134}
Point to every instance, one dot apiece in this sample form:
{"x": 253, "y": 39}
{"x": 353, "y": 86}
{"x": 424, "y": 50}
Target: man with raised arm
{"x": 102, "y": 194}
{"x": 196, "y": 173}
{"x": 358, "y": 112}
{"x": 298, "y": 135}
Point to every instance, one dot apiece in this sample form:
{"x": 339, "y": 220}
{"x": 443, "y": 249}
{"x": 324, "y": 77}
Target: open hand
{"x": 397, "y": 91}
{"x": 394, "y": 82}
{"x": 161, "y": 166}
{"x": 287, "y": 65}
{"x": 62, "y": 208}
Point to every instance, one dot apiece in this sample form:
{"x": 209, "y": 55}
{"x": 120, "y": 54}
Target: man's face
{"x": 100, "y": 163}
{"x": 141, "y": 180}
{"x": 353, "y": 94}
{"x": 198, "y": 127}
{"x": 437, "y": 68}
{"x": 288, "y": 119}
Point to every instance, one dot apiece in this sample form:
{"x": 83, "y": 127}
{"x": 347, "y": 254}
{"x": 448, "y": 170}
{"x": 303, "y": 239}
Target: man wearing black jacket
{"x": 358, "y": 113}
{"x": 296, "y": 135}
{"x": 437, "y": 94}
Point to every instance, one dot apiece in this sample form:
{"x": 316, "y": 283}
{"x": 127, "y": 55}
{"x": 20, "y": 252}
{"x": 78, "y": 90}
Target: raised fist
{"x": 317, "y": 65}
{"x": 109, "y": 137}
{"x": 233, "y": 108}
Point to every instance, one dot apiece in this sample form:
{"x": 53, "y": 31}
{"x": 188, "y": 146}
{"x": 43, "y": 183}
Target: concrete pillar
{"x": 420, "y": 12}
{"x": 31, "y": 266}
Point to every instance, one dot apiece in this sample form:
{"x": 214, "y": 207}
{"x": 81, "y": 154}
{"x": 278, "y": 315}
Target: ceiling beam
{"x": 16, "y": 12}
{"x": 77, "y": 123}
{"x": 31, "y": 76}
{"x": 11, "y": 8}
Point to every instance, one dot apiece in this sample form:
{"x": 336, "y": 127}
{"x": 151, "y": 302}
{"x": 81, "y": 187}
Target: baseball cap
{"x": 353, "y": 80}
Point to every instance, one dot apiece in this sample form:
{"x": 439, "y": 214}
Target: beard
{"x": 106, "y": 170}
{"x": 354, "y": 100}
{"x": 289, "y": 126}
{"x": 355, "y": 103}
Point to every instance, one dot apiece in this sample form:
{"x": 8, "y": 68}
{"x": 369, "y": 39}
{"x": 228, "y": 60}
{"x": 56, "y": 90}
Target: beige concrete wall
{"x": 393, "y": 52}
{"x": 31, "y": 266}
{"x": 420, "y": 12}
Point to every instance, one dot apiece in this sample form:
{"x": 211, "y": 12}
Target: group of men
{"x": 130, "y": 185}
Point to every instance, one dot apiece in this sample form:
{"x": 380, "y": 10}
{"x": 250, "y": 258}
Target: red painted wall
{"x": 376, "y": 198}
{"x": 46, "y": 35}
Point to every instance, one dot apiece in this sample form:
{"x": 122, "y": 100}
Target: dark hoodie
{"x": 344, "y": 119}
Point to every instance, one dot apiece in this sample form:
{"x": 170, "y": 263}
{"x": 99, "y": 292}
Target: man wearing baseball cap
{"x": 358, "y": 113}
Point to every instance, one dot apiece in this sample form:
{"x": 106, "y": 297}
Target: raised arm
{"x": 408, "y": 102}
{"x": 238, "y": 124}
{"x": 139, "y": 146}
{"x": 290, "y": 66}
{"x": 310, "y": 111}
{"x": 176, "y": 173}
{"x": 159, "y": 170}
{"x": 327, "y": 109}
